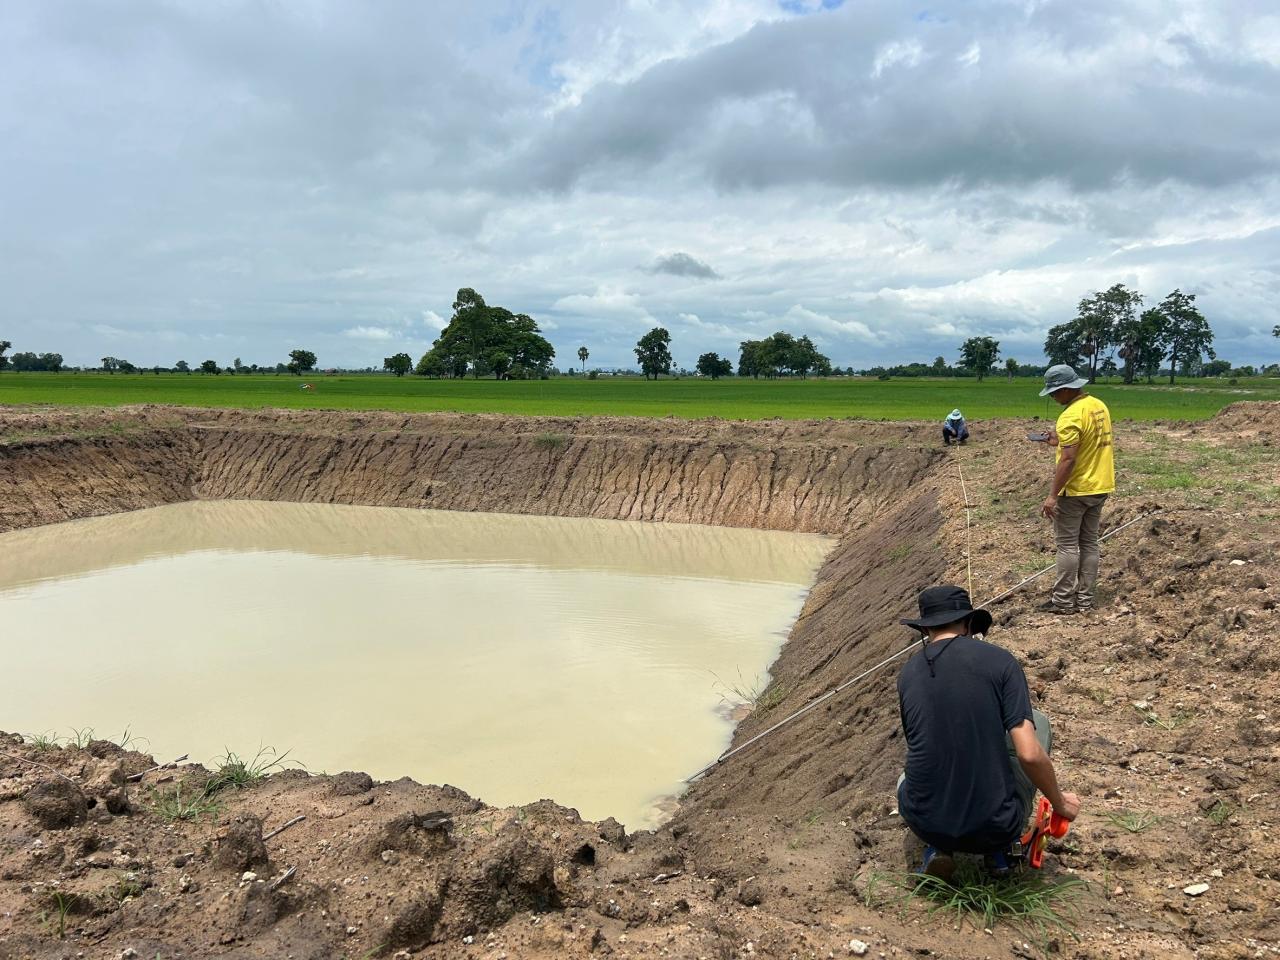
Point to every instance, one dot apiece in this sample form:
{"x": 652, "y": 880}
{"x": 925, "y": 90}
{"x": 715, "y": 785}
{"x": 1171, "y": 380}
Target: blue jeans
{"x": 948, "y": 435}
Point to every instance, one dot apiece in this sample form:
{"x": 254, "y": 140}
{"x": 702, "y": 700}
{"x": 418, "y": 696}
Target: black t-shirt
{"x": 959, "y": 789}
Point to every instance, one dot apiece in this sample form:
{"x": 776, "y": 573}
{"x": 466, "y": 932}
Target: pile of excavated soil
{"x": 1162, "y": 701}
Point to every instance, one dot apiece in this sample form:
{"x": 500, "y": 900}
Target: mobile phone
{"x": 1038, "y": 437}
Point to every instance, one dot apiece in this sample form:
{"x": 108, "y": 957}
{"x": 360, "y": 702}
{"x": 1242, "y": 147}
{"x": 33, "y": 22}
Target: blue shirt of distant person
{"x": 954, "y": 429}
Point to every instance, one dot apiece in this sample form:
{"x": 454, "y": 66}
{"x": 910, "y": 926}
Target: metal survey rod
{"x": 888, "y": 660}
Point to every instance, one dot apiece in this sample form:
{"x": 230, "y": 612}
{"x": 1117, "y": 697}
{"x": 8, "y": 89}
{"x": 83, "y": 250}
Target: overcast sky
{"x": 221, "y": 179}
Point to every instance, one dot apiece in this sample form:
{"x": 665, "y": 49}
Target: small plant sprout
{"x": 62, "y": 906}
{"x": 1179, "y": 718}
{"x": 1134, "y": 821}
{"x": 1220, "y": 813}
{"x": 81, "y": 737}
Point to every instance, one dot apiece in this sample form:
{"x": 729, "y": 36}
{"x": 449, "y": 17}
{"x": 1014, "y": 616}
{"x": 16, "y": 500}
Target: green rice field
{"x": 731, "y": 398}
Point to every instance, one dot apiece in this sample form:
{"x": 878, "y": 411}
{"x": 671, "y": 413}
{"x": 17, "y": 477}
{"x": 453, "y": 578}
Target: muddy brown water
{"x": 593, "y": 662}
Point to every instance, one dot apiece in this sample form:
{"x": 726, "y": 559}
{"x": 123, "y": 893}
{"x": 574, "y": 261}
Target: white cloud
{"x": 604, "y": 304}
{"x": 369, "y": 333}
{"x": 904, "y": 53}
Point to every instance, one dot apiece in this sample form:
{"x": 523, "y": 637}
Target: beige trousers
{"x": 1075, "y": 528}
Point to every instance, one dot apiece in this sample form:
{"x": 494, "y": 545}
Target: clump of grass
{"x": 1135, "y": 821}
{"x": 1220, "y": 813}
{"x": 550, "y": 441}
{"x": 81, "y": 737}
{"x": 175, "y": 805}
{"x": 1027, "y": 901}
{"x": 761, "y": 693}
{"x": 43, "y": 741}
{"x": 238, "y": 772}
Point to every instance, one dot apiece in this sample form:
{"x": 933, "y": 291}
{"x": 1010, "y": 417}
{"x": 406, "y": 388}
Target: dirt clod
{"x": 240, "y": 846}
{"x": 56, "y": 803}
{"x": 414, "y": 925}
{"x": 749, "y": 893}
{"x": 351, "y": 783}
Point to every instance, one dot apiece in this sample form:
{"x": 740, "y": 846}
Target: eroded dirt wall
{"x": 811, "y": 477}
{"x": 809, "y": 487}
{"x": 49, "y": 480}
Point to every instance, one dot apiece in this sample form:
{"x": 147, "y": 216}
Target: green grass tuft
{"x": 762, "y": 693}
{"x": 175, "y": 805}
{"x": 1220, "y": 813}
{"x": 237, "y": 772}
{"x": 1135, "y": 821}
{"x": 1028, "y": 901}
{"x": 551, "y": 441}
{"x": 43, "y": 741}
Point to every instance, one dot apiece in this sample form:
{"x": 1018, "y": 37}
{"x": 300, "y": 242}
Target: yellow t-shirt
{"x": 1086, "y": 425}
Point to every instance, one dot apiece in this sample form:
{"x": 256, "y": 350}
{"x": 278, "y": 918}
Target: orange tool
{"x": 1045, "y": 825}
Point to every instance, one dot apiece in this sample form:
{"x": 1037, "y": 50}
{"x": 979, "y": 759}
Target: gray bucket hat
{"x": 1060, "y": 377}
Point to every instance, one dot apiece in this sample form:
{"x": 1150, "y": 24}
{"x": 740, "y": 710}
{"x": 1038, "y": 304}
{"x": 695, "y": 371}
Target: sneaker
{"x": 938, "y": 863}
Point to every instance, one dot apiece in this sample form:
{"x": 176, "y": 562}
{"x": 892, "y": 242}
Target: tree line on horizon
{"x": 481, "y": 339}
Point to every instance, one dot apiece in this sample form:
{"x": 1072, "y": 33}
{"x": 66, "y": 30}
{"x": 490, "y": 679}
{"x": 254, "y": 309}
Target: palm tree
{"x": 583, "y": 353}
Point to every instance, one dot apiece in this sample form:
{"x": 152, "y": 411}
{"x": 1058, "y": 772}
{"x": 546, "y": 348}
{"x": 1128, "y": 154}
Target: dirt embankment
{"x": 806, "y": 477}
{"x": 774, "y": 853}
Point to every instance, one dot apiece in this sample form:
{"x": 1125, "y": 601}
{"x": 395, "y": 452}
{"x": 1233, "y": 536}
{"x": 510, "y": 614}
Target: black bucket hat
{"x": 947, "y": 604}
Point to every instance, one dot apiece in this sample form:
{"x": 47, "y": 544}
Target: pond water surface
{"x": 588, "y": 661}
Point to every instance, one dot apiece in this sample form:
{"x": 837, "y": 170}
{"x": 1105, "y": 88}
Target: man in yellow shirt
{"x": 1084, "y": 473}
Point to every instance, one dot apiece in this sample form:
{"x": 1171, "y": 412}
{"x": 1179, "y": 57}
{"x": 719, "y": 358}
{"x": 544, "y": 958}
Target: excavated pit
{"x": 855, "y": 482}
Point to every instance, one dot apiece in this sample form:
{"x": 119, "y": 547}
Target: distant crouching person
{"x": 954, "y": 428}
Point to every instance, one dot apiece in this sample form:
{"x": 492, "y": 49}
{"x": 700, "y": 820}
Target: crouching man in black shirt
{"x": 976, "y": 750}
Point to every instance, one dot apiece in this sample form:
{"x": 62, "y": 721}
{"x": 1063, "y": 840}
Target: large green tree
{"x": 779, "y": 354}
{"x": 583, "y": 354}
{"x": 301, "y": 361}
{"x": 751, "y": 359}
{"x": 1142, "y": 348}
{"x": 400, "y": 364}
{"x": 1186, "y": 335}
{"x": 42, "y": 362}
{"x": 714, "y": 366}
{"x": 1101, "y": 321}
{"x": 653, "y": 353}
{"x": 979, "y": 355}
{"x": 484, "y": 339}
{"x": 209, "y": 366}
{"x": 5, "y": 345}
{"x": 1115, "y": 311}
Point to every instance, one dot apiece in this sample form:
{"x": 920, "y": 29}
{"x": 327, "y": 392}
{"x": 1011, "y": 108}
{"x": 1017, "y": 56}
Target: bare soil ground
{"x": 1162, "y": 700}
